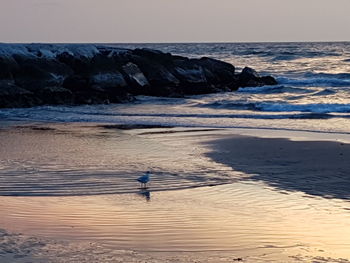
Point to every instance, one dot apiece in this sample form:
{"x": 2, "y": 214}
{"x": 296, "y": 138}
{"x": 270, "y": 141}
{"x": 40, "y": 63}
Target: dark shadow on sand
{"x": 318, "y": 168}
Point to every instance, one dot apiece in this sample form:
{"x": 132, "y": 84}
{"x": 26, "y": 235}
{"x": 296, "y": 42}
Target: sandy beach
{"x": 216, "y": 196}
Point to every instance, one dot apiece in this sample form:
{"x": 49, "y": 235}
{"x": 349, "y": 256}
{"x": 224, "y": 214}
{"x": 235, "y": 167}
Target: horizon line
{"x": 184, "y": 42}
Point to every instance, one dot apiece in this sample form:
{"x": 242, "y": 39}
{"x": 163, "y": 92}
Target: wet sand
{"x": 278, "y": 200}
{"x": 319, "y": 168}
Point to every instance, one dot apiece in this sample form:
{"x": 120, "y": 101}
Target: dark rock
{"x": 84, "y": 92}
{"x": 34, "y": 78}
{"x": 156, "y": 73}
{"x": 268, "y": 80}
{"x": 192, "y": 77}
{"x": 248, "y": 74}
{"x": 101, "y": 63}
{"x": 37, "y": 74}
{"x": 76, "y": 83}
{"x": 55, "y": 95}
{"x": 108, "y": 80}
{"x": 154, "y": 56}
{"x": 190, "y": 74}
{"x": 79, "y": 65}
{"x": 12, "y": 96}
{"x": 98, "y": 89}
{"x": 113, "y": 85}
{"x": 138, "y": 83}
{"x": 7, "y": 66}
{"x": 219, "y": 73}
{"x": 135, "y": 74}
{"x": 250, "y": 78}
{"x": 176, "y": 76}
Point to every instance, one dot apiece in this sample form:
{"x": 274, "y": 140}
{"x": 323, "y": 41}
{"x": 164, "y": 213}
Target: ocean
{"x": 312, "y": 95}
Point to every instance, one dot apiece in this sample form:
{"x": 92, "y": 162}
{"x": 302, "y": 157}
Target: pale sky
{"x": 174, "y": 20}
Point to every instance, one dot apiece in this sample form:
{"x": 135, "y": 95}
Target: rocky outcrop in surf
{"x": 41, "y": 74}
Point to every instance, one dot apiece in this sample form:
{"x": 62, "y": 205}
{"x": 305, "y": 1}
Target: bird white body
{"x": 144, "y": 179}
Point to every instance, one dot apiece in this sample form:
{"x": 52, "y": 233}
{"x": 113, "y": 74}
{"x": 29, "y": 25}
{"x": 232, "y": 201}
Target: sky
{"x": 174, "y": 20}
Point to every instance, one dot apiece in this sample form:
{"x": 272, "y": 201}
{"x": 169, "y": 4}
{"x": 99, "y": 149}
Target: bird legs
{"x": 143, "y": 185}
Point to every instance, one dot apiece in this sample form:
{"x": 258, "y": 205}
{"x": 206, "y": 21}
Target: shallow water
{"x": 89, "y": 160}
{"x": 239, "y": 219}
{"x": 245, "y": 220}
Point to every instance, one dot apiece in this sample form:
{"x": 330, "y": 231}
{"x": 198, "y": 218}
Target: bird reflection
{"x": 146, "y": 194}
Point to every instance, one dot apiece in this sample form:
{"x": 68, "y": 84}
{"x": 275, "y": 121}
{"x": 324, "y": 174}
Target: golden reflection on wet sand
{"x": 244, "y": 219}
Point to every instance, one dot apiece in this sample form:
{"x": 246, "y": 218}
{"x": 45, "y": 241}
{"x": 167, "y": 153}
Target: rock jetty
{"x": 53, "y": 74}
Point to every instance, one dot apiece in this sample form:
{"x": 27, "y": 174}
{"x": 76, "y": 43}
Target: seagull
{"x": 144, "y": 179}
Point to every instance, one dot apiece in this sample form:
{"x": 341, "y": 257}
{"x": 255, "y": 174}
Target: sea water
{"x": 312, "y": 95}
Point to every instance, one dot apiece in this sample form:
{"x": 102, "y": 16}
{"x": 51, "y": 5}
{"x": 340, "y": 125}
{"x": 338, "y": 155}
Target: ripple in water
{"x": 241, "y": 220}
{"x": 94, "y": 160}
